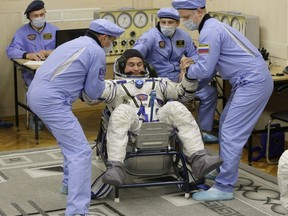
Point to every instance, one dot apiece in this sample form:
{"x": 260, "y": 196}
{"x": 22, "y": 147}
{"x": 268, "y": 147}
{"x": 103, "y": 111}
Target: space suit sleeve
{"x": 107, "y": 96}
{"x": 187, "y": 88}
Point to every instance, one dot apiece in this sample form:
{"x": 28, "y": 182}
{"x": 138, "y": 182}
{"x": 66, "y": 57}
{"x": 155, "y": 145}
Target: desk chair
{"x": 281, "y": 116}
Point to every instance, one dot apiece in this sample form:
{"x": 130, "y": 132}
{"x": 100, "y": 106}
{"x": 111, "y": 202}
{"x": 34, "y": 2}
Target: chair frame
{"x": 273, "y": 116}
{"x": 280, "y": 115}
{"x": 101, "y": 152}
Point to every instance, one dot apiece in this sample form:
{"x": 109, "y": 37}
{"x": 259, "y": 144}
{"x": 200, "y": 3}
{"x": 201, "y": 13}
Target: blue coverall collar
{"x": 92, "y": 35}
{"x": 205, "y": 18}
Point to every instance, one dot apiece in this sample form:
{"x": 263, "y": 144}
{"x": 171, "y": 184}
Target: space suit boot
{"x": 115, "y": 173}
{"x": 202, "y": 163}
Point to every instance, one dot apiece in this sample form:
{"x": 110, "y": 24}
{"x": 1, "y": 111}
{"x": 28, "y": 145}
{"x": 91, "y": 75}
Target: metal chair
{"x": 152, "y": 152}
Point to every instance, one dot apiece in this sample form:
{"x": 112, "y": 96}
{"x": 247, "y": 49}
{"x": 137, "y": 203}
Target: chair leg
{"x": 27, "y": 119}
{"x": 268, "y": 143}
{"x": 27, "y": 112}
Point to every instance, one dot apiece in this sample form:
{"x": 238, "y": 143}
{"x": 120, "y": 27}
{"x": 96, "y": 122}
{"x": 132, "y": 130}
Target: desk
{"x": 278, "y": 80}
{"x": 19, "y": 63}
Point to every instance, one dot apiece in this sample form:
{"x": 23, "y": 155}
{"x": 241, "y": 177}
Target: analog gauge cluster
{"x": 248, "y": 25}
{"x": 229, "y": 18}
{"x": 135, "y": 22}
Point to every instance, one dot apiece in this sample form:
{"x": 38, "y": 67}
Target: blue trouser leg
{"x": 76, "y": 150}
{"x": 27, "y": 77}
{"x": 206, "y": 110}
{"x": 240, "y": 115}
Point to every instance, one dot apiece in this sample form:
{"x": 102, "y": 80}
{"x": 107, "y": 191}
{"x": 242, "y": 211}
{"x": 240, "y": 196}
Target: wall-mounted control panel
{"x": 135, "y": 22}
{"x": 248, "y": 25}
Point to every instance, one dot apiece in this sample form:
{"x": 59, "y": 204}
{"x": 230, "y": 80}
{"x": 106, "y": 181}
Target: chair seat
{"x": 282, "y": 115}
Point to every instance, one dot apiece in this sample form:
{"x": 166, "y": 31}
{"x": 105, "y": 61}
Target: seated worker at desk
{"x": 132, "y": 102}
{"x": 33, "y": 41}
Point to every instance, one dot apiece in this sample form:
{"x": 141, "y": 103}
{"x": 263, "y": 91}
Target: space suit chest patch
{"x": 101, "y": 75}
{"x": 31, "y": 37}
{"x": 142, "y": 97}
{"x": 180, "y": 43}
{"x": 47, "y": 36}
{"x": 162, "y": 44}
{"x": 203, "y": 48}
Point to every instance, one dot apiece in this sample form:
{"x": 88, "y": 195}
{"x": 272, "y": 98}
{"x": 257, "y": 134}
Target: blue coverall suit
{"x": 165, "y": 53}
{"x": 76, "y": 66}
{"x": 223, "y": 48}
{"x": 28, "y": 40}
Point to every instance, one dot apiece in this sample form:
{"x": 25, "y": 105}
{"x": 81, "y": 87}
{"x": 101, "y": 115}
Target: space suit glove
{"x": 89, "y": 100}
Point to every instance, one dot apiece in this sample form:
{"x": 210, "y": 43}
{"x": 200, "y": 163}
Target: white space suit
{"x": 135, "y": 101}
{"x": 131, "y": 103}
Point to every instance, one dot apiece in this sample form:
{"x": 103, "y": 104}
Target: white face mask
{"x": 108, "y": 49}
{"x": 189, "y": 24}
{"x": 168, "y": 30}
{"x": 38, "y": 22}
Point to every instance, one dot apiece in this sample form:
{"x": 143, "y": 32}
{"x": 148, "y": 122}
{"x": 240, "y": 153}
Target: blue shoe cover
{"x": 64, "y": 190}
{"x": 213, "y": 194}
{"x": 209, "y": 138}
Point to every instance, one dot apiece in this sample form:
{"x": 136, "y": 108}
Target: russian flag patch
{"x": 203, "y": 48}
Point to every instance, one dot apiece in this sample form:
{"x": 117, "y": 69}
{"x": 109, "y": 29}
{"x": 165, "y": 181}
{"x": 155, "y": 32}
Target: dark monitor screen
{"x": 63, "y": 36}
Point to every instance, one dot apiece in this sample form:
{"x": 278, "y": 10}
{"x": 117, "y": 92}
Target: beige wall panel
{"x": 20, "y": 5}
{"x": 162, "y": 3}
{"x": 7, "y": 22}
{"x": 142, "y": 4}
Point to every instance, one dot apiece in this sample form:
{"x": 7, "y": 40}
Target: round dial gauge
{"x": 124, "y": 20}
{"x": 216, "y": 17}
{"x": 235, "y": 23}
{"x": 110, "y": 17}
{"x": 225, "y": 20}
{"x": 140, "y": 19}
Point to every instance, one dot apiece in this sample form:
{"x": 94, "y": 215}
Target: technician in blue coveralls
{"x": 74, "y": 68}
{"x": 226, "y": 50}
{"x": 163, "y": 47}
{"x": 34, "y": 40}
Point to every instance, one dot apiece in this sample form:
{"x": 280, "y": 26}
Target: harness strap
{"x": 132, "y": 97}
